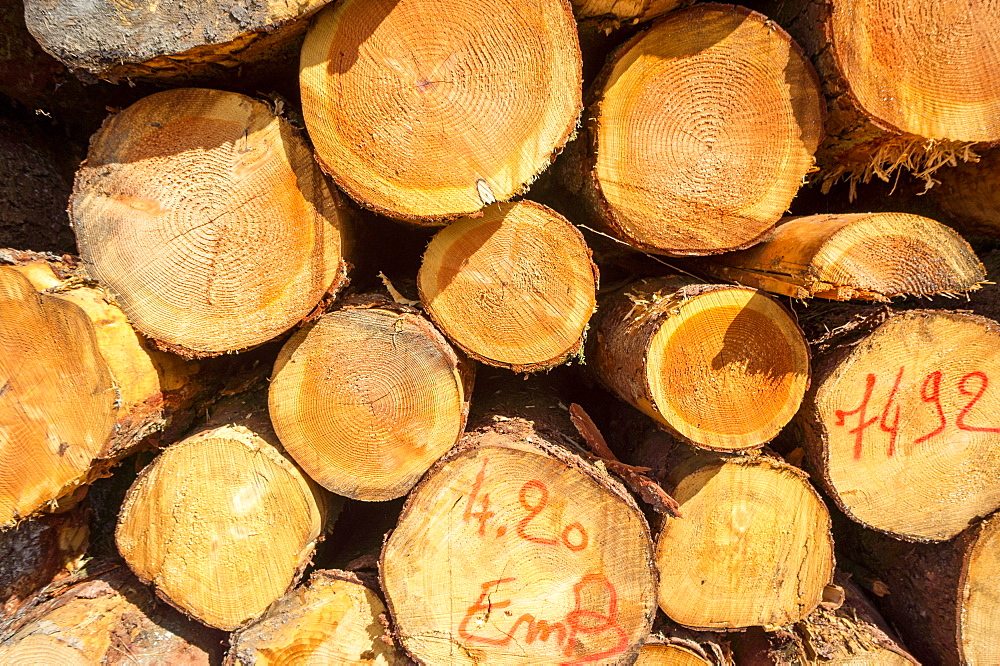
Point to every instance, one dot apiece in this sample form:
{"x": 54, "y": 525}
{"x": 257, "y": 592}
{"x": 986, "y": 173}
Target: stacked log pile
{"x": 550, "y": 332}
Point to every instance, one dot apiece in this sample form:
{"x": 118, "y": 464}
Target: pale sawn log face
{"x": 334, "y": 619}
{"x": 366, "y": 400}
{"x": 109, "y": 36}
{"x": 921, "y": 67}
{"x": 724, "y": 367}
{"x": 753, "y": 547}
{"x": 979, "y": 611}
{"x": 107, "y": 618}
{"x": 903, "y": 427}
{"x": 514, "y": 288}
{"x": 869, "y": 256}
{"x": 704, "y": 126}
{"x": 57, "y": 397}
{"x": 425, "y": 110}
{"x": 508, "y": 555}
{"x": 207, "y": 218}
{"x": 214, "y": 512}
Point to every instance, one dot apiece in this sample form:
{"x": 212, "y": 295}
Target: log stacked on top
{"x": 208, "y": 225}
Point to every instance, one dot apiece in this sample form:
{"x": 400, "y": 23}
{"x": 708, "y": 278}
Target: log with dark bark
{"x": 150, "y": 39}
{"x": 205, "y": 215}
{"x": 104, "y": 615}
{"x": 699, "y": 133}
{"x": 514, "y": 549}
{"x": 223, "y": 523}
{"x": 334, "y": 619}
{"x": 514, "y": 288}
{"x": 970, "y": 195}
{"x": 724, "y": 367}
{"x": 81, "y": 389}
{"x": 900, "y": 427}
{"x": 367, "y": 397}
{"x": 907, "y": 82}
{"x": 874, "y": 256}
{"x": 942, "y": 597}
{"x": 426, "y": 112}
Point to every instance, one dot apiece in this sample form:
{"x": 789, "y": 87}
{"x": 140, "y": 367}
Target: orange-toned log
{"x": 907, "y": 82}
{"x": 700, "y": 133}
{"x": 900, "y": 425}
{"x": 514, "y": 550}
{"x": 426, "y": 110}
{"x": 222, "y": 523}
{"x": 942, "y": 597}
{"x": 869, "y": 256}
{"x": 513, "y": 288}
{"x": 103, "y": 615}
{"x": 205, "y": 215}
{"x": 80, "y": 388}
{"x": 367, "y": 397}
{"x": 334, "y": 619}
{"x": 724, "y": 367}
{"x": 614, "y": 12}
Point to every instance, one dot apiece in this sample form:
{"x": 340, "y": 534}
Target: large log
{"x": 907, "y": 81}
{"x": 514, "y": 550}
{"x": 207, "y": 218}
{"x": 873, "y": 256}
{"x": 942, "y": 597}
{"x": 513, "y": 288}
{"x": 104, "y": 616}
{"x": 900, "y": 427}
{"x": 81, "y": 389}
{"x": 335, "y": 619}
{"x": 699, "y": 134}
{"x": 723, "y": 367}
{"x": 425, "y": 115}
{"x": 222, "y": 523}
{"x": 150, "y": 39}
{"x": 753, "y": 546}
{"x": 368, "y": 397}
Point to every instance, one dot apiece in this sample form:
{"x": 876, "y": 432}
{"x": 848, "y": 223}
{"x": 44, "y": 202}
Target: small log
{"x": 222, "y": 523}
{"x": 970, "y": 195}
{"x": 672, "y": 645}
{"x": 613, "y": 13}
{"x": 848, "y": 630}
{"x": 82, "y": 388}
{"x": 899, "y": 426}
{"x": 424, "y": 115}
{"x": 513, "y": 288}
{"x": 873, "y": 256}
{"x": 334, "y": 619}
{"x": 149, "y": 39}
{"x": 104, "y": 616}
{"x": 753, "y": 546}
{"x": 207, "y": 218}
{"x": 368, "y": 397}
{"x": 905, "y": 81}
{"x": 723, "y": 367}
{"x": 513, "y": 549}
{"x": 39, "y": 551}
{"x": 699, "y": 134}
{"x": 942, "y": 596}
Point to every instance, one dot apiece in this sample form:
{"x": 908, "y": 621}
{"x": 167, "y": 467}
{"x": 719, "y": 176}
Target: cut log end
{"x": 754, "y": 547}
{"x": 333, "y": 620}
{"x": 514, "y": 288}
{"x": 705, "y": 126}
{"x": 869, "y": 256}
{"x": 927, "y": 74}
{"x": 723, "y": 367}
{"x": 410, "y": 117}
{"x": 207, "y": 218}
{"x": 57, "y": 397}
{"x": 902, "y": 426}
{"x": 979, "y": 614}
{"x": 367, "y": 399}
{"x": 516, "y": 556}
{"x": 214, "y": 511}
